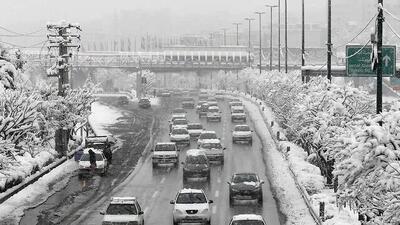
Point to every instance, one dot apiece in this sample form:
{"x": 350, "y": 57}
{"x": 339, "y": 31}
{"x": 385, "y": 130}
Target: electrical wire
{"x": 356, "y": 53}
{"x": 21, "y": 46}
{"x": 391, "y": 14}
{"x": 393, "y": 30}
{"x": 20, "y": 34}
{"x": 366, "y": 26}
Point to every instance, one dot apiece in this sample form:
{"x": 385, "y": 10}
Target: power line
{"x": 393, "y": 30}
{"x": 391, "y": 14}
{"x": 354, "y": 38}
{"x": 20, "y": 34}
{"x": 21, "y": 46}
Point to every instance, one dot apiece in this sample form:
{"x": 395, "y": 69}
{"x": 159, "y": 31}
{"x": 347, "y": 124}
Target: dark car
{"x": 144, "y": 103}
{"x": 245, "y": 186}
{"x": 196, "y": 165}
{"x": 188, "y": 103}
{"x": 123, "y": 100}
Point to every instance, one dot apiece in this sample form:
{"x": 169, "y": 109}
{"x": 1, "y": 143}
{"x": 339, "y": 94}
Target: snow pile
{"x": 308, "y": 175}
{"x": 102, "y": 116}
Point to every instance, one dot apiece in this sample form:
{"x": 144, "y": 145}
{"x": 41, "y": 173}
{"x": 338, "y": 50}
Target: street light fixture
{"x": 270, "y": 41}
{"x": 259, "y": 21}
{"x": 237, "y": 32}
{"x": 249, "y": 19}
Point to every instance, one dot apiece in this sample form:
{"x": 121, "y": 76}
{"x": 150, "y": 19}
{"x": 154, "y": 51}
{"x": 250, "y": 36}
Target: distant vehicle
{"x": 84, "y": 163}
{"x": 123, "y": 100}
{"x": 179, "y": 111}
{"x": 214, "y": 114}
{"x": 195, "y": 130}
{"x": 188, "y": 103}
{"x": 123, "y": 210}
{"x": 238, "y": 114}
{"x": 206, "y": 135}
{"x": 242, "y": 133}
{"x": 245, "y": 186}
{"x": 144, "y": 103}
{"x": 232, "y": 104}
{"x": 212, "y": 103}
{"x": 180, "y": 136}
{"x": 219, "y": 96}
{"x": 164, "y": 93}
{"x": 203, "y": 97}
{"x": 175, "y": 117}
{"x": 213, "y": 150}
{"x": 179, "y": 123}
{"x": 191, "y": 206}
{"x": 100, "y": 142}
{"x": 247, "y": 219}
{"x": 199, "y": 104}
{"x": 165, "y": 153}
{"x": 203, "y": 110}
{"x": 212, "y": 99}
{"x": 196, "y": 165}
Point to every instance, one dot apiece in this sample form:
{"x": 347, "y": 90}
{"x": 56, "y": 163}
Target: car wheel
{"x": 251, "y": 142}
{"x": 174, "y": 222}
{"x": 260, "y": 199}
{"x": 154, "y": 165}
{"x": 233, "y": 141}
{"x": 222, "y": 161}
{"x": 208, "y": 222}
{"x": 209, "y": 176}
{"x": 231, "y": 201}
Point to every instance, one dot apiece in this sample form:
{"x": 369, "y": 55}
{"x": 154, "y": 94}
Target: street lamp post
{"x": 286, "y": 39}
{"x": 303, "y": 49}
{"x": 237, "y": 32}
{"x": 249, "y": 19}
{"x": 260, "y": 52}
{"x": 279, "y": 35}
{"x": 270, "y": 40}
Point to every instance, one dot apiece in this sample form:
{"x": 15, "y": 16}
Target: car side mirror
{"x": 224, "y": 148}
{"x": 262, "y": 181}
{"x": 102, "y": 213}
{"x": 228, "y": 182}
{"x": 172, "y": 202}
{"x": 210, "y": 201}
{"x": 141, "y": 213}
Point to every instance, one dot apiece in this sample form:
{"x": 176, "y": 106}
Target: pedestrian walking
{"x": 92, "y": 160}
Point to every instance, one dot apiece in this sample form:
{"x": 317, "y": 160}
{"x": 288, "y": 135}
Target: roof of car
{"x": 237, "y": 107}
{"x": 192, "y": 124}
{"x": 212, "y": 141}
{"x": 247, "y": 217}
{"x": 213, "y": 107}
{"x": 208, "y": 132}
{"x": 242, "y": 125}
{"x": 194, "y": 152}
{"x": 190, "y": 190}
{"x": 86, "y": 151}
{"x": 165, "y": 143}
{"x": 123, "y": 200}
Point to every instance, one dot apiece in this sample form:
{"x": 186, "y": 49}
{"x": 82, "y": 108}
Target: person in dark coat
{"x": 92, "y": 160}
{"x": 108, "y": 153}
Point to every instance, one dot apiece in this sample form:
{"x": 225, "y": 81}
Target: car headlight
{"x": 179, "y": 212}
{"x": 204, "y": 211}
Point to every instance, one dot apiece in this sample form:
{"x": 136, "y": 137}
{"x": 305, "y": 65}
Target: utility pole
{"x": 237, "y": 33}
{"x": 61, "y": 38}
{"x": 329, "y": 44}
{"x": 224, "y": 30}
{"x": 279, "y": 35}
{"x": 303, "y": 50}
{"x": 286, "y": 39}
{"x": 249, "y": 19}
{"x": 379, "y": 60}
{"x": 259, "y": 22}
{"x": 270, "y": 40}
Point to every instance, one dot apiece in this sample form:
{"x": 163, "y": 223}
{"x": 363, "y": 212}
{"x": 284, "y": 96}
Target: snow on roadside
{"x": 102, "y": 116}
{"x": 13, "y": 209}
{"x": 291, "y": 201}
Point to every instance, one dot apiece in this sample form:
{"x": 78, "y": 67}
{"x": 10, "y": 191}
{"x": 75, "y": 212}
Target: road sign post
{"x": 358, "y": 63}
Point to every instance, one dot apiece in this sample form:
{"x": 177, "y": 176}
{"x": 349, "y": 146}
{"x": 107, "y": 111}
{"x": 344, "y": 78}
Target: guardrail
{"x": 276, "y": 139}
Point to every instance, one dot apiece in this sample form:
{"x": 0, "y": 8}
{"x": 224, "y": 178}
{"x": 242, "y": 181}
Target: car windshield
{"x": 238, "y": 111}
{"x": 213, "y": 110}
{"x": 195, "y": 126}
{"x": 144, "y": 100}
{"x": 240, "y": 178}
{"x": 247, "y": 222}
{"x": 121, "y": 209}
{"x": 242, "y": 128}
{"x": 179, "y": 111}
{"x": 85, "y": 157}
{"x": 180, "y": 122}
{"x": 166, "y": 147}
{"x": 191, "y": 198}
{"x": 199, "y": 159}
{"x": 236, "y": 103}
{"x": 179, "y": 131}
{"x": 208, "y": 136}
{"x": 211, "y": 145}
{"x": 96, "y": 145}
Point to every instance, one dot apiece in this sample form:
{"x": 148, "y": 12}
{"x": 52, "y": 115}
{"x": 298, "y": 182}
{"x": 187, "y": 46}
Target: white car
{"x": 84, "y": 162}
{"x": 206, "y": 135}
{"x": 238, "y": 114}
{"x": 179, "y": 112}
{"x": 195, "y": 130}
{"x": 213, "y": 150}
{"x": 235, "y": 102}
{"x": 213, "y": 114}
{"x": 242, "y": 134}
{"x": 175, "y": 117}
{"x": 191, "y": 206}
{"x": 179, "y": 123}
{"x": 247, "y": 219}
{"x": 123, "y": 210}
{"x": 180, "y": 136}
{"x": 165, "y": 153}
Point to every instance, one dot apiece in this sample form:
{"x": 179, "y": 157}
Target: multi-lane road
{"x": 154, "y": 188}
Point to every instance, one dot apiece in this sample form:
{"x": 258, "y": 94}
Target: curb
{"x": 302, "y": 191}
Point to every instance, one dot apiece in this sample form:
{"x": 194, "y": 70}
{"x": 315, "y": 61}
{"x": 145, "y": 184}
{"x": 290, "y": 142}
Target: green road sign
{"x": 359, "y": 63}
